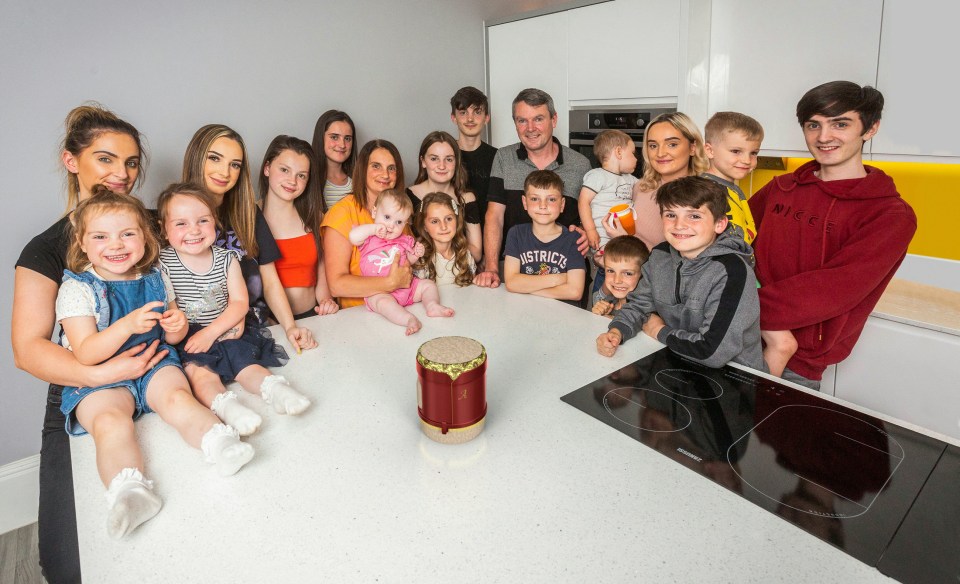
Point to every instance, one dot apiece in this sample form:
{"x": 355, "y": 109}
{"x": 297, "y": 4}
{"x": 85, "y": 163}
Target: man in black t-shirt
{"x": 470, "y": 111}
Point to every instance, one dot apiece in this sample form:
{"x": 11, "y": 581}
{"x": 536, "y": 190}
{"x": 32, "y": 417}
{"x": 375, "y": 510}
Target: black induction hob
{"x": 843, "y": 476}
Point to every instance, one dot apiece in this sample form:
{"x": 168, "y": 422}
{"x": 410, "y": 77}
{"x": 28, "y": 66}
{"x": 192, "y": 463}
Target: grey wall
{"x": 263, "y": 68}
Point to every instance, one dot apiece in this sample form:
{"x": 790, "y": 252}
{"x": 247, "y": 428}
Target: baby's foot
{"x": 221, "y": 445}
{"x": 284, "y": 399}
{"x": 132, "y": 501}
{"x": 229, "y": 409}
{"x": 413, "y": 325}
{"x": 437, "y": 309}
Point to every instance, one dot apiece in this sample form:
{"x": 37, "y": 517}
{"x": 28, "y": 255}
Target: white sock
{"x": 233, "y": 413}
{"x": 221, "y": 446}
{"x": 131, "y": 501}
{"x": 285, "y": 400}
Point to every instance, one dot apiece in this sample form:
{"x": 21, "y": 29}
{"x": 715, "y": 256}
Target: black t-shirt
{"x": 268, "y": 253}
{"x": 46, "y": 253}
{"x": 478, "y": 163}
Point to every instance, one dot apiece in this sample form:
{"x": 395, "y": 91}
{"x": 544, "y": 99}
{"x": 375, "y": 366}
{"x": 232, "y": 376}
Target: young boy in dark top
{"x": 541, "y": 257}
{"x": 470, "y": 111}
{"x": 697, "y": 293}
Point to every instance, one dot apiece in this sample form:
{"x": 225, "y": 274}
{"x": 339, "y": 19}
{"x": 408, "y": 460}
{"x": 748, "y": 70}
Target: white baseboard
{"x": 19, "y": 493}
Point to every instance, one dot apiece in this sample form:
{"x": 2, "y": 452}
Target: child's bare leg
{"x": 274, "y": 389}
{"x": 210, "y": 392}
{"x": 108, "y": 417}
{"x": 169, "y": 395}
{"x": 428, "y": 292}
{"x": 780, "y": 346}
{"x": 388, "y": 306}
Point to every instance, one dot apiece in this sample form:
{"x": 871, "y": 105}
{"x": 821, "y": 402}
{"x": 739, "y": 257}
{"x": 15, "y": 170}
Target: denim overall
{"x": 114, "y": 300}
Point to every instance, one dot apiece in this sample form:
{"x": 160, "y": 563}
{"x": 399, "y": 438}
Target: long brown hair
{"x": 83, "y": 125}
{"x": 309, "y": 204}
{"x": 459, "y": 176}
{"x": 360, "y": 170}
{"x": 319, "y": 131}
{"x": 238, "y": 209}
{"x": 461, "y": 253}
{"x": 102, "y": 201}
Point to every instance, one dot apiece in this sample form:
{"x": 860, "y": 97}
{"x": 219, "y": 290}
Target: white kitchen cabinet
{"x": 526, "y": 53}
{"x": 765, "y": 54}
{"x": 919, "y": 84}
{"x": 624, "y": 51}
{"x": 905, "y": 371}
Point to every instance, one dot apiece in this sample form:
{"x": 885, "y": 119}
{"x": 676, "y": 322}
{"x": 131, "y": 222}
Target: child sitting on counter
{"x": 698, "y": 292}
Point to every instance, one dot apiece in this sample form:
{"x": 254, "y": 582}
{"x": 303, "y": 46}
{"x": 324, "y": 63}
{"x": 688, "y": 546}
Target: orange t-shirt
{"x": 343, "y": 217}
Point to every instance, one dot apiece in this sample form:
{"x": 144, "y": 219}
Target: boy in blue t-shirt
{"x": 541, "y": 257}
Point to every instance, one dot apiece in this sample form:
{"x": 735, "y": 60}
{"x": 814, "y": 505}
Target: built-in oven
{"x": 586, "y": 124}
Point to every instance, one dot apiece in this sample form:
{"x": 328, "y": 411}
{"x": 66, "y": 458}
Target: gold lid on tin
{"x": 452, "y": 356}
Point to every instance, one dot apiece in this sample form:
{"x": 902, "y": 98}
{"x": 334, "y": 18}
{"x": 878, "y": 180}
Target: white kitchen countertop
{"x": 352, "y": 491}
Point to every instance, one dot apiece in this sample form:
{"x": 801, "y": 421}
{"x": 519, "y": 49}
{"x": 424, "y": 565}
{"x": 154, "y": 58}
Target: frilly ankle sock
{"x": 229, "y": 409}
{"x": 284, "y": 399}
{"x": 221, "y": 446}
{"x": 131, "y": 501}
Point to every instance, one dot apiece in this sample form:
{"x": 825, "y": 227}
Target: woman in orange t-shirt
{"x": 378, "y": 168}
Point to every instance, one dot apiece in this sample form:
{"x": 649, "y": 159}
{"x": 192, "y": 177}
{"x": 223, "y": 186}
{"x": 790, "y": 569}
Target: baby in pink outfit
{"x": 379, "y": 244}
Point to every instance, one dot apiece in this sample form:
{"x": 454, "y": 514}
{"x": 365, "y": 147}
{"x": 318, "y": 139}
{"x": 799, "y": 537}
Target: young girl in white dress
{"x": 440, "y": 228}
{"x": 114, "y": 298}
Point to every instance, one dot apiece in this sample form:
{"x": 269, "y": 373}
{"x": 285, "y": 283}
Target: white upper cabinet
{"x": 625, "y": 51}
{"x": 526, "y": 53}
{"x": 765, "y": 54}
{"x": 919, "y": 81}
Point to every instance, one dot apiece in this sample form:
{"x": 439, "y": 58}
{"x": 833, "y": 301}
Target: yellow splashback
{"x": 933, "y": 190}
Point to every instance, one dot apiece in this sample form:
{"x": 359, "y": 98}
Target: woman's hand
{"x": 301, "y": 338}
{"x": 612, "y": 224}
{"x": 399, "y": 276}
{"x": 130, "y": 364}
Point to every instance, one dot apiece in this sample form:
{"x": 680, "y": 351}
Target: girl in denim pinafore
{"x": 111, "y": 299}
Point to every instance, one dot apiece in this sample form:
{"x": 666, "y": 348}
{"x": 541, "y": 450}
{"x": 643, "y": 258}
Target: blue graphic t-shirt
{"x": 537, "y": 258}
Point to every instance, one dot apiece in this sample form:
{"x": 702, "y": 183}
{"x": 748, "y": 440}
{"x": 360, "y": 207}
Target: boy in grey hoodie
{"x": 698, "y": 293}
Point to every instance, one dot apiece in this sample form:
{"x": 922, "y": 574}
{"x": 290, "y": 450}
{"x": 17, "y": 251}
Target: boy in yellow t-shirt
{"x": 732, "y": 143}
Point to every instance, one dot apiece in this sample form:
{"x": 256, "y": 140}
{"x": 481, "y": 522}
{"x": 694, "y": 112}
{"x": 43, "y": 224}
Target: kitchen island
{"x": 352, "y": 491}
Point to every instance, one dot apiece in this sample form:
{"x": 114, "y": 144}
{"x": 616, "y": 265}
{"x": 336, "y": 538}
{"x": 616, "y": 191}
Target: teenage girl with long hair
{"x": 334, "y": 142}
{"x": 442, "y": 171}
{"x": 293, "y": 206}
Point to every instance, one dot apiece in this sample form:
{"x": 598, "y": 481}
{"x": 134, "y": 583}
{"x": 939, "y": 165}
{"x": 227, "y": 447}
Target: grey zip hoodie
{"x": 709, "y": 303}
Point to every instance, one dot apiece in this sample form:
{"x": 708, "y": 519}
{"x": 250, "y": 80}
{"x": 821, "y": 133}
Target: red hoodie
{"x": 825, "y": 252}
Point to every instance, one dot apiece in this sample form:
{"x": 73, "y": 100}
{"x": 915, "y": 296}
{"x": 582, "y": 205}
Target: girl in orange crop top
{"x": 292, "y": 206}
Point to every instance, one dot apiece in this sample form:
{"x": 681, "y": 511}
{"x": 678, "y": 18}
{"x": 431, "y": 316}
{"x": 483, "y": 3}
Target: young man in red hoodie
{"x": 831, "y": 234}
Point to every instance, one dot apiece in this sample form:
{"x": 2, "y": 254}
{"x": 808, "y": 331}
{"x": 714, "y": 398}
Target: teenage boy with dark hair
{"x": 470, "y": 111}
{"x": 831, "y": 234}
{"x": 697, "y": 294}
